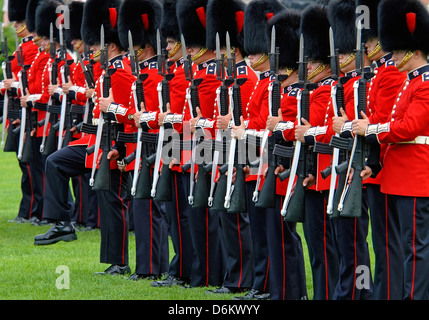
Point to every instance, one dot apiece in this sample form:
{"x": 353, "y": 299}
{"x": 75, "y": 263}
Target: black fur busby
{"x": 370, "y": 31}
{"x": 17, "y": 10}
{"x": 286, "y": 23}
{"x": 76, "y": 13}
{"x": 45, "y": 15}
{"x": 97, "y": 13}
{"x": 30, "y": 16}
{"x": 191, "y": 15}
{"x": 169, "y": 25}
{"x": 297, "y": 4}
{"x": 315, "y": 30}
{"x": 225, "y": 16}
{"x": 256, "y": 16}
{"x": 142, "y": 18}
{"x": 342, "y": 17}
{"x": 403, "y": 25}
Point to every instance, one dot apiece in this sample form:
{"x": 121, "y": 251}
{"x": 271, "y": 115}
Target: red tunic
{"x": 405, "y": 165}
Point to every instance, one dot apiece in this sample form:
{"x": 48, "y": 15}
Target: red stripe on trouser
{"x": 387, "y": 249}
{"x": 207, "y": 246}
{"x": 355, "y": 248}
{"x": 241, "y": 250}
{"x": 32, "y": 192}
{"x": 325, "y": 250}
{"x": 151, "y": 236}
{"x": 123, "y": 219}
{"x": 178, "y": 226}
{"x": 414, "y": 248}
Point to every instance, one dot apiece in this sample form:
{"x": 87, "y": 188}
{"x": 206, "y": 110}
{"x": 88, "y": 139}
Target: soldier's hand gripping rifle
{"x": 293, "y": 208}
{"x": 216, "y": 199}
{"x": 25, "y": 145}
{"x": 194, "y": 102}
{"x": 101, "y": 178}
{"x": 266, "y": 197}
{"x": 235, "y": 197}
{"x": 64, "y": 138}
{"x": 90, "y": 83}
{"x": 350, "y": 203}
{"x": 10, "y": 144}
{"x": 49, "y": 144}
{"x": 161, "y": 182}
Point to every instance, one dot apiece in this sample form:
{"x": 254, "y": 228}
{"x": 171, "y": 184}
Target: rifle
{"x": 267, "y": 196}
{"x": 49, "y": 144}
{"x": 90, "y": 83}
{"x": 65, "y": 117}
{"x": 337, "y": 98}
{"x": 161, "y": 190}
{"x": 293, "y": 208}
{"x": 216, "y": 199}
{"x": 10, "y": 144}
{"x": 141, "y": 182}
{"x": 235, "y": 197}
{"x": 350, "y": 203}
{"x": 102, "y": 180}
{"x": 25, "y": 146}
{"x": 194, "y": 102}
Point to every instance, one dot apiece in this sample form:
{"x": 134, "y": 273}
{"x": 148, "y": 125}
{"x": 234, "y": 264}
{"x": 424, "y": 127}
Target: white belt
{"x": 417, "y": 140}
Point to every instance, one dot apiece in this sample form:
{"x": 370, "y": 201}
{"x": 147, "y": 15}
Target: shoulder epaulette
{"x": 211, "y": 68}
{"x": 153, "y": 65}
{"x": 425, "y": 76}
{"x": 242, "y": 70}
{"x": 328, "y": 82}
{"x": 293, "y": 92}
{"x": 118, "y": 64}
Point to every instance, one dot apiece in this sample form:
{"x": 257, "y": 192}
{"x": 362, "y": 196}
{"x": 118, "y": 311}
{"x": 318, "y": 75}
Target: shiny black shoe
{"x": 114, "y": 270}
{"x": 169, "y": 281}
{"x": 60, "y": 231}
{"x": 136, "y": 277}
{"x": 223, "y": 290}
{"x": 18, "y": 220}
{"x": 251, "y": 295}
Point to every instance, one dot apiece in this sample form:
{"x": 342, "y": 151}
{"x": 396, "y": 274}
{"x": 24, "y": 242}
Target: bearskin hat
{"x": 17, "y": 10}
{"x": 46, "y": 14}
{"x": 225, "y": 16}
{"x": 371, "y": 31}
{"x": 76, "y": 13}
{"x": 403, "y": 25}
{"x": 256, "y": 16}
{"x": 191, "y": 15}
{"x": 315, "y": 30}
{"x": 97, "y": 13}
{"x": 342, "y": 17}
{"x": 286, "y": 23}
{"x": 30, "y": 16}
{"x": 142, "y": 18}
{"x": 169, "y": 25}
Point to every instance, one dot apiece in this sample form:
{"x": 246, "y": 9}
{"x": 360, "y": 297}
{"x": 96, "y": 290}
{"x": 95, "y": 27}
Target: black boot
{"x": 60, "y": 231}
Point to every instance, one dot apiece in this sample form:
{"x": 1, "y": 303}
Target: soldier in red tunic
{"x": 31, "y": 205}
{"x": 317, "y": 225}
{"x": 73, "y": 159}
{"x": 403, "y": 30}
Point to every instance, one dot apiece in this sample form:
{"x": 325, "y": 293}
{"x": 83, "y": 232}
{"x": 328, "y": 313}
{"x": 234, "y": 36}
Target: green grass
{"x": 28, "y": 272}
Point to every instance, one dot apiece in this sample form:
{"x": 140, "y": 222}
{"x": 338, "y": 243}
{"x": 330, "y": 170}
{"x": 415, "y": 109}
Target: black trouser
{"x": 151, "y": 234}
{"x": 319, "y": 236}
{"x": 178, "y": 212}
{"x": 70, "y": 162}
{"x": 287, "y": 269}
{"x": 237, "y": 240}
{"x": 413, "y": 213}
{"x": 386, "y": 239}
{"x": 32, "y": 183}
{"x": 352, "y": 247}
{"x": 259, "y": 241}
